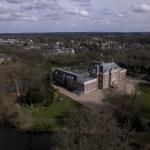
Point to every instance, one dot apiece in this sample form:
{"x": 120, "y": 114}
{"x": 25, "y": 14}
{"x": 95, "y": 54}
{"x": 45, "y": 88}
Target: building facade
{"x": 108, "y": 74}
{"x": 101, "y": 76}
{"x": 74, "y": 82}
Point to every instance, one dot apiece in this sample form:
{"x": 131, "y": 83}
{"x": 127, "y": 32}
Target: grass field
{"x": 57, "y": 109}
{"x": 47, "y": 117}
{"x": 42, "y": 118}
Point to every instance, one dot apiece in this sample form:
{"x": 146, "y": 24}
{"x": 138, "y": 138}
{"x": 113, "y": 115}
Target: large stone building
{"x": 107, "y": 74}
{"x": 74, "y": 82}
{"x": 101, "y": 76}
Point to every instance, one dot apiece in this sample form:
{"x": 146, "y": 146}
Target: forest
{"x": 29, "y": 102}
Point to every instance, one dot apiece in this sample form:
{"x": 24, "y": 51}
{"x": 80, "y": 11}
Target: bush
{"x": 34, "y": 96}
{"x": 21, "y": 99}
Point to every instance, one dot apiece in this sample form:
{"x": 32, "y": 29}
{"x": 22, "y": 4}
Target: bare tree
{"x": 94, "y": 130}
{"x": 2, "y": 90}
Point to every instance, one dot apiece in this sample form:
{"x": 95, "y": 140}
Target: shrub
{"x": 34, "y": 96}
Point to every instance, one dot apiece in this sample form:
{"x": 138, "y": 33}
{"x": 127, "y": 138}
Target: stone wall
{"x": 106, "y": 80}
{"x": 117, "y": 76}
{"x": 90, "y": 86}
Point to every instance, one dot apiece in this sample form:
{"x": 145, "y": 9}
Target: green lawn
{"x": 57, "y": 109}
{"x": 45, "y": 118}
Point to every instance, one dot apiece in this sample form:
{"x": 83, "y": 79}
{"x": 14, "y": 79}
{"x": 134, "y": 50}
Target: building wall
{"x": 113, "y": 78}
{"x": 92, "y": 86}
{"x": 117, "y": 76}
{"x": 65, "y": 80}
{"x": 106, "y": 80}
{"x": 123, "y": 74}
{"x": 101, "y": 81}
{"x": 72, "y": 84}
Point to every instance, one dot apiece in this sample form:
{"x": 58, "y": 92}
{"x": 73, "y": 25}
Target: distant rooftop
{"x": 67, "y": 72}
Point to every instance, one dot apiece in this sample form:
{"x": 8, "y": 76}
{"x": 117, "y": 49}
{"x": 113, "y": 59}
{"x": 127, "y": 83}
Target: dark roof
{"x": 78, "y": 77}
{"x": 61, "y": 71}
{"x": 103, "y": 67}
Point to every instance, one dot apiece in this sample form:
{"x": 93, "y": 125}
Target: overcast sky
{"x": 74, "y": 15}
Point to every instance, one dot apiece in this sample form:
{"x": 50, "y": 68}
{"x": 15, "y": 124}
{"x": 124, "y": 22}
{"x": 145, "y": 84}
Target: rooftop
{"x": 67, "y": 72}
{"x": 80, "y": 78}
{"x": 103, "y": 67}
{"x": 85, "y": 79}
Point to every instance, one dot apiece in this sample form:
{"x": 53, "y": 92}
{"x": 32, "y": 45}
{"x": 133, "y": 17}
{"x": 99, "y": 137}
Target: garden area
{"x": 54, "y": 115}
{"x": 33, "y": 112}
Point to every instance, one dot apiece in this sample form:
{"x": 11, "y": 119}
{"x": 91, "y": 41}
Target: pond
{"x": 10, "y": 139}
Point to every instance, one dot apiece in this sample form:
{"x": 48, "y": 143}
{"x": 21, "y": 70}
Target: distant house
{"x": 8, "y": 41}
{"x": 101, "y": 76}
{"x": 59, "y": 49}
{"x": 60, "y": 43}
{"x": 32, "y": 47}
{"x": 4, "y": 57}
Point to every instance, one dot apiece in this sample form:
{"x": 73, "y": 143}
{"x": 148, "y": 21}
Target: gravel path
{"x": 91, "y": 100}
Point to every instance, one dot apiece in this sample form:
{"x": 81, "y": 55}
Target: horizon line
{"x": 75, "y": 32}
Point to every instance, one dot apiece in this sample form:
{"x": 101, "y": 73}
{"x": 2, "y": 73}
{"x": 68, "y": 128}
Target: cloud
{"x": 51, "y": 10}
{"x": 77, "y": 12}
{"x": 15, "y": 1}
{"x": 106, "y": 11}
{"x": 86, "y": 5}
{"x": 120, "y": 15}
{"x": 3, "y": 9}
{"x": 141, "y": 8}
{"x": 20, "y": 16}
{"x": 82, "y": 1}
{"x": 4, "y": 17}
{"x": 83, "y": 13}
{"x": 35, "y": 5}
{"x": 5, "y": 13}
{"x": 66, "y": 15}
{"x": 54, "y": 14}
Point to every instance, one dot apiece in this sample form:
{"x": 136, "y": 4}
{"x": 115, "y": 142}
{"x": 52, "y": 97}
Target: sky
{"x": 18, "y": 16}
